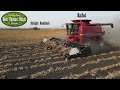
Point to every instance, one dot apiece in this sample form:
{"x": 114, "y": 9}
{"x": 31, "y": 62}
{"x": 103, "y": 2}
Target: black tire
{"x": 86, "y": 51}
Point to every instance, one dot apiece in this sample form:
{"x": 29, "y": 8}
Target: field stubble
{"x": 22, "y": 57}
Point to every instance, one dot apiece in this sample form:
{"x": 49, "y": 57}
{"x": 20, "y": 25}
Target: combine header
{"x": 81, "y": 36}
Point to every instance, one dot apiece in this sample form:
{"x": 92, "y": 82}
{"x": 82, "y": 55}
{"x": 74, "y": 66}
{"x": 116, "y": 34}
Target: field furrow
{"x": 32, "y": 61}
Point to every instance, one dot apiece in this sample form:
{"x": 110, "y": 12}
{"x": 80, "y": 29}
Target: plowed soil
{"x": 31, "y": 61}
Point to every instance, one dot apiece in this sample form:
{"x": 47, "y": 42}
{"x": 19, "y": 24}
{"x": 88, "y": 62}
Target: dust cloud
{"x": 113, "y": 34}
{"x": 111, "y": 39}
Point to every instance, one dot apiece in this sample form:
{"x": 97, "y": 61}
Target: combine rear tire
{"x": 86, "y": 52}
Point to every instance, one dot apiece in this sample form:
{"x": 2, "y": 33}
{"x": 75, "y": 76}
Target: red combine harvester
{"x": 82, "y": 39}
{"x": 81, "y": 31}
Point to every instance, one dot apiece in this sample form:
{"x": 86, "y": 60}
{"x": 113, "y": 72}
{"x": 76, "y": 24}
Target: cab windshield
{"x": 72, "y": 29}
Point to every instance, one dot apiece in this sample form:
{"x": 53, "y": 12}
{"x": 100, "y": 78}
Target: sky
{"x": 58, "y": 18}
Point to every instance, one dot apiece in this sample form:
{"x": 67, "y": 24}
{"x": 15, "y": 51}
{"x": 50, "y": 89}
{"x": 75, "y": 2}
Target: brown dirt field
{"x": 24, "y": 36}
{"x": 23, "y": 57}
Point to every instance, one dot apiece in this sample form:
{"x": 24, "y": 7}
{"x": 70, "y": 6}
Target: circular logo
{"x": 14, "y": 19}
